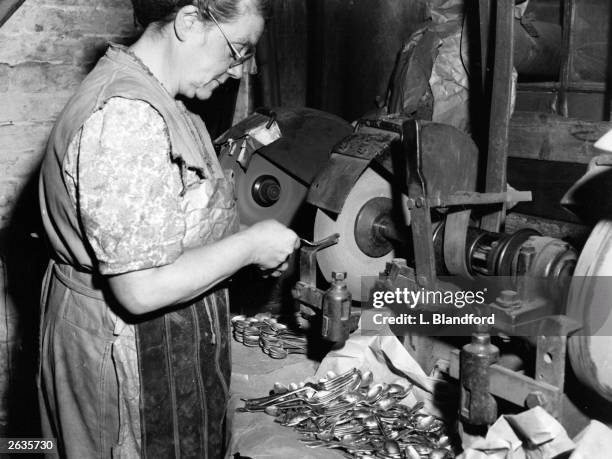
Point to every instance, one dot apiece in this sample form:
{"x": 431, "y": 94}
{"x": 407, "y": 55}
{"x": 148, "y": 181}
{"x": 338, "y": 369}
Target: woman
{"x": 143, "y": 228}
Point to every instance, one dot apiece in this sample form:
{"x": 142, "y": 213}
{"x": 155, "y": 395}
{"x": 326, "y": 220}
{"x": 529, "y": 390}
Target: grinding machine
{"x": 272, "y": 180}
{"x": 399, "y": 203}
{"x": 405, "y": 204}
{"x": 402, "y": 197}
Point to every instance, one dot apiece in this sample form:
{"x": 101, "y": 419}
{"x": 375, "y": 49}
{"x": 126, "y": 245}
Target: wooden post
{"x": 501, "y": 94}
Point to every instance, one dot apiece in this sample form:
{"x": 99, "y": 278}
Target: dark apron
{"x": 184, "y": 361}
{"x": 90, "y": 381}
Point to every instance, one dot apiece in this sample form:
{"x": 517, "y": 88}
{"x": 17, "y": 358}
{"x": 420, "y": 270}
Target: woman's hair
{"x": 164, "y": 11}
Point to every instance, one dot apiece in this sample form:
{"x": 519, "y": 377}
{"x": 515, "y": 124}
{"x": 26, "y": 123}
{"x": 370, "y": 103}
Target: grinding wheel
{"x": 346, "y": 255}
{"x": 286, "y": 167}
{"x": 289, "y": 197}
{"x": 590, "y": 302}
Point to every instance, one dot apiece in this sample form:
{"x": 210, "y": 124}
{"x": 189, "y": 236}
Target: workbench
{"x": 256, "y": 435}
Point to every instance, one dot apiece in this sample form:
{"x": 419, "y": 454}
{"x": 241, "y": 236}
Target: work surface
{"x": 256, "y": 435}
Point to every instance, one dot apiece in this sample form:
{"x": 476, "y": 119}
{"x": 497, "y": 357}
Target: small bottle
{"x": 336, "y": 310}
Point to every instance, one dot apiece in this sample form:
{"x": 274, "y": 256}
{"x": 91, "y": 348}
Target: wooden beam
{"x": 484, "y": 15}
{"x": 501, "y": 96}
{"x": 572, "y": 86}
{"x": 569, "y": 17}
{"x": 554, "y": 138}
{"x": 7, "y": 8}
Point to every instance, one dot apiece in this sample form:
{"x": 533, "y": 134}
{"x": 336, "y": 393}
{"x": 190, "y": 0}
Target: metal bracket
{"x": 305, "y": 290}
{"x": 424, "y": 255}
{"x": 465, "y": 198}
{"x": 348, "y": 160}
{"x": 308, "y": 258}
{"x": 512, "y": 386}
{"x": 546, "y": 389}
{"x": 407, "y": 161}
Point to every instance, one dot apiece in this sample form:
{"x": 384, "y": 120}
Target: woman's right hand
{"x": 272, "y": 243}
{"x": 267, "y": 244}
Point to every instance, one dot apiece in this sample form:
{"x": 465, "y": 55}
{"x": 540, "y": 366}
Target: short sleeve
{"x": 128, "y": 188}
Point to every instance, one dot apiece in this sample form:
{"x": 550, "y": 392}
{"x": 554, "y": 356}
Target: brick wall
{"x": 46, "y": 48}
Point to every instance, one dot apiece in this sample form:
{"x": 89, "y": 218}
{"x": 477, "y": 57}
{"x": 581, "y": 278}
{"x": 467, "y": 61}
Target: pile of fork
{"x": 362, "y": 419}
{"x": 274, "y": 338}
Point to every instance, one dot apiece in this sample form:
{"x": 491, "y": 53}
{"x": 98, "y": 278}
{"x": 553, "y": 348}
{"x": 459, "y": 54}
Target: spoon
{"x": 366, "y": 379}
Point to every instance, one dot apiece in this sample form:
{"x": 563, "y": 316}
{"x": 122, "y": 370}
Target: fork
{"x": 324, "y": 241}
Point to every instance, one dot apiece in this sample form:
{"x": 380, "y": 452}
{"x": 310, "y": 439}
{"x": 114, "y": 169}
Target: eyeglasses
{"x": 238, "y": 58}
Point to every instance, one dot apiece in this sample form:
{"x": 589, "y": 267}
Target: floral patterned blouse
{"x": 126, "y": 187}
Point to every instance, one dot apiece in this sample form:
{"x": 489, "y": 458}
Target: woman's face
{"x": 206, "y": 56}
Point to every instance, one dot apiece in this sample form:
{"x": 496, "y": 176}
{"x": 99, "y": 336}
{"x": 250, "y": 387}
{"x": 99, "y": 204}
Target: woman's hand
{"x": 267, "y": 244}
{"x": 272, "y": 243}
